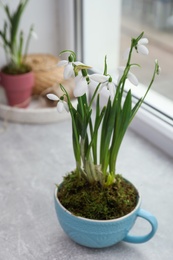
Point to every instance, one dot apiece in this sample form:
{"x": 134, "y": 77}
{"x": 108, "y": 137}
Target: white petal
{"x": 126, "y": 54}
{"x": 104, "y": 96}
{"x": 103, "y": 85}
{"x": 99, "y": 78}
{"x": 66, "y": 106}
{"x": 60, "y": 106}
{"x": 81, "y": 88}
{"x": 81, "y": 81}
{"x": 62, "y": 63}
{"x": 105, "y": 92}
{"x": 78, "y": 78}
{"x": 52, "y": 97}
{"x": 79, "y": 91}
{"x": 111, "y": 87}
{"x": 143, "y": 41}
{"x": 68, "y": 71}
{"x": 92, "y": 86}
{"x": 93, "y": 83}
{"x": 142, "y": 49}
{"x": 132, "y": 78}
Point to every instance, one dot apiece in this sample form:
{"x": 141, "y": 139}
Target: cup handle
{"x": 142, "y": 239}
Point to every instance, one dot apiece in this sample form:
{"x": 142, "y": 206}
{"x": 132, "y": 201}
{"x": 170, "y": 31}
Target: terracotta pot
{"x": 18, "y": 88}
{"x": 103, "y": 233}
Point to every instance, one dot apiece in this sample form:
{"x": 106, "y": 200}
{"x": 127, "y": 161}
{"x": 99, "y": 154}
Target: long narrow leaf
{"x": 95, "y": 132}
{"x": 15, "y": 20}
{"x": 106, "y": 135}
{"x": 126, "y": 111}
{"x": 141, "y": 100}
{"x": 104, "y": 129}
{"x": 121, "y": 125}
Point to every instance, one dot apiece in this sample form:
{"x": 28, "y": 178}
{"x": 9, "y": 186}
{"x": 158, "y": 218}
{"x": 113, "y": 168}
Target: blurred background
{"x": 99, "y": 27}
{"x": 156, "y": 19}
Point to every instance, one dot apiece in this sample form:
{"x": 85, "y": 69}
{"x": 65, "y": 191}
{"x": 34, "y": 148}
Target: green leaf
{"x": 15, "y": 20}
{"x": 8, "y": 13}
{"x": 20, "y": 48}
{"x": 105, "y": 66}
{"x": 121, "y": 124}
{"x": 106, "y": 135}
{"x": 126, "y": 111}
{"x": 141, "y": 100}
{"x": 95, "y": 132}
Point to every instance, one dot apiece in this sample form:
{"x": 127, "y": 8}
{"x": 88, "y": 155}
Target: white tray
{"x": 36, "y": 113}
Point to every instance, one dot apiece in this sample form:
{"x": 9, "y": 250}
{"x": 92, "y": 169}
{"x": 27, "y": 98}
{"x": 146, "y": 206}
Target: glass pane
{"x": 155, "y": 18}
{"x": 101, "y": 33}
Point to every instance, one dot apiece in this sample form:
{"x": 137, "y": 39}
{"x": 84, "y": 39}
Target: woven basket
{"x": 47, "y": 74}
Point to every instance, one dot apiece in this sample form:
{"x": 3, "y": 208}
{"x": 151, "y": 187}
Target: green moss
{"x": 14, "y": 70}
{"x": 94, "y": 201}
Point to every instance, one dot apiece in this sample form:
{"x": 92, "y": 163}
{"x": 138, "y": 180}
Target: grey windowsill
{"x": 35, "y": 157}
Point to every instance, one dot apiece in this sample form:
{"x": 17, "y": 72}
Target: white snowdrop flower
{"x": 141, "y": 48}
{"x": 110, "y": 86}
{"x": 143, "y": 41}
{"x": 99, "y": 78}
{"x": 104, "y": 80}
{"x": 62, "y": 63}
{"x": 69, "y": 71}
{"x": 104, "y": 96}
{"x": 61, "y": 105}
{"x": 68, "y": 68}
{"x": 81, "y": 86}
{"x": 130, "y": 76}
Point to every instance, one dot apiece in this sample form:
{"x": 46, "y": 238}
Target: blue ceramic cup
{"x": 103, "y": 233}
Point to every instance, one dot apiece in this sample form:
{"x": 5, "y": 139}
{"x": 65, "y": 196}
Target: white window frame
{"x": 154, "y": 120}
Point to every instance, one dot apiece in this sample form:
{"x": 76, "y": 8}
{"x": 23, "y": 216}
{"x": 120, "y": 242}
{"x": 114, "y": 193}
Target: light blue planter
{"x": 103, "y": 233}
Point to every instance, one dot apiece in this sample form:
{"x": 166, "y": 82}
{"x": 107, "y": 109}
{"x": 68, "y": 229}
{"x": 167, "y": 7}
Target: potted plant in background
{"x": 16, "y": 77}
{"x": 95, "y": 205}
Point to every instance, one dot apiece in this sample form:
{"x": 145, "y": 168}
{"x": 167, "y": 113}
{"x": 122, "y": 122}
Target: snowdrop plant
{"x": 13, "y": 41}
{"x": 97, "y": 134}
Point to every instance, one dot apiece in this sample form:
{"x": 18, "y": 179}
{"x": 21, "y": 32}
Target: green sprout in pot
{"x": 97, "y": 134}
{"x": 13, "y": 40}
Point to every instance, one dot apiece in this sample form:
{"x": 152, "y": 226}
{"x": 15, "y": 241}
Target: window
{"x": 156, "y": 19}
{"x": 107, "y": 29}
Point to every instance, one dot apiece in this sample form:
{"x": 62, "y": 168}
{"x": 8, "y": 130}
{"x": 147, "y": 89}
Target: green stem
{"x": 94, "y": 95}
